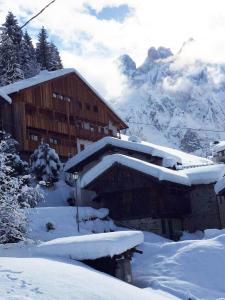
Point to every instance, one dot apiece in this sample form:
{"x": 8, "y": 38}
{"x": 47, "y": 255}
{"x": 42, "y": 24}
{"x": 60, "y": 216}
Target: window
{"x": 33, "y": 137}
{"x": 110, "y": 132}
{"x": 102, "y": 130}
{"x": 71, "y": 120}
{"x": 79, "y": 105}
{"x": 87, "y": 106}
{"x": 92, "y": 128}
{"x": 53, "y": 141}
{"x": 66, "y": 98}
{"x": 54, "y": 95}
{"x": 82, "y": 147}
{"x": 61, "y": 117}
{"x": 95, "y": 108}
{"x": 29, "y": 109}
{"x": 60, "y": 97}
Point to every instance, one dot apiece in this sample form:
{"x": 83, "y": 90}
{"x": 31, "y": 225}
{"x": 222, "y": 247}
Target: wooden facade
{"x": 141, "y": 201}
{"x": 60, "y": 111}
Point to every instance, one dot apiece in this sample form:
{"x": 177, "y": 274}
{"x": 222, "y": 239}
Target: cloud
{"x": 92, "y": 44}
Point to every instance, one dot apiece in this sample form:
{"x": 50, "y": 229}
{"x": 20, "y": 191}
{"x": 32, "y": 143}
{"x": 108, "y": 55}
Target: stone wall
{"x": 205, "y": 211}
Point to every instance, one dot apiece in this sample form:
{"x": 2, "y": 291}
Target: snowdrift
{"x": 192, "y": 269}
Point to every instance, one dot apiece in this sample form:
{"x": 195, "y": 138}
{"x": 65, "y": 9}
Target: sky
{"x": 92, "y": 34}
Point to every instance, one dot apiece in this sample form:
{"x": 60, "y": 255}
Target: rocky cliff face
{"x": 172, "y": 103}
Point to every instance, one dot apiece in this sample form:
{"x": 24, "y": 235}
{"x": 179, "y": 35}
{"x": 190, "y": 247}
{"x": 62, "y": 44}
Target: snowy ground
{"x": 65, "y": 223}
{"x": 46, "y": 279}
{"x": 190, "y": 269}
{"x": 46, "y": 275}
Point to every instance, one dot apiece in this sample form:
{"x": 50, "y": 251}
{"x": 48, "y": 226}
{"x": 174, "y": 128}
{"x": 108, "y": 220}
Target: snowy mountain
{"x": 166, "y": 97}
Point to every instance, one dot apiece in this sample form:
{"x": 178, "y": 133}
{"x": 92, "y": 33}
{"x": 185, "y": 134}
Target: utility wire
{"x": 176, "y": 127}
{"x": 35, "y": 16}
{"x": 32, "y": 18}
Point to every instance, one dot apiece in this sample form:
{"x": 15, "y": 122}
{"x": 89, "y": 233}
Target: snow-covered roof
{"x": 43, "y": 76}
{"x": 158, "y": 172}
{"x": 170, "y": 156}
{"x": 5, "y": 96}
{"x": 218, "y": 147}
{"x": 204, "y": 174}
{"x": 92, "y": 246}
{"x": 198, "y": 175}
{"x": 220, "y": 185}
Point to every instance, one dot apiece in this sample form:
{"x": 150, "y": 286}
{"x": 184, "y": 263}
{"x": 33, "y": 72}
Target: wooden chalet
{"x": 59, "y": 108}
{"x": 149, "y": 187}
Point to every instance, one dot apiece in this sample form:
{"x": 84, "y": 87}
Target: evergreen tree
{"x": 28, "y": 57}
{"x": 43, "y": 50}
{"x": 8, "y": 147}
{"x": 45, "y": 164}
{"x": 55, "y": 60}
{"x": 10, "y": 55}
{"x": 16, "y": 192}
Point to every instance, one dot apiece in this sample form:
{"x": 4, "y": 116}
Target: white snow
{"x": 150, "y": 169}
{"x": 91, "y": 246}
{"x": 56, "y": 195}
{"x": 64, "y": 221}
{"x": 173, "y": 155}
{"x": 220, "y": 185}
{"x": 45, "y": 279}
{"x": 5, "y": 96}
{"x": 43, "y": 76}
{"x": 218, "y": 147}
{"x": 198, "y": 175}
{"x": 192, "y": 269}
{"x": 205, "y": 174}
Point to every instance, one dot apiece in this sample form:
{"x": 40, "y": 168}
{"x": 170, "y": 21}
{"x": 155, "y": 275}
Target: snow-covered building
{"x": 218, "y": 151}
{"x": 58, "y": 107}
{"x": 149, "y": 187}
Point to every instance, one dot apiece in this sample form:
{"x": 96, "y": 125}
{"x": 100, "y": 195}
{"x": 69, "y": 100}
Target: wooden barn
{"x": 150, "y": 187}
{"x": 59, "y": 108}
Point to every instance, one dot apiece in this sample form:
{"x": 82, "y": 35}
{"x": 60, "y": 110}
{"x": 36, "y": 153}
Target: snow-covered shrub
{"x": 45, "y": 164}
{"x": 30, "y": 196}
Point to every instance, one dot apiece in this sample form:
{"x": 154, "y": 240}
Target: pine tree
{"x": 43, "y": 50}
{"x": 45, "y": 164}
{"x": 28, "y": 57}
{"x": 16, "y": 192}
{"x": 12, "y": 160}
{"x": 10, "y": 56}
{"x": 55, "y": 62}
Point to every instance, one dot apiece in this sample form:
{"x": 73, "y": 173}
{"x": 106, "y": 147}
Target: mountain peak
{"x": 160, "y": 53}
{"x": 127, "y": 65}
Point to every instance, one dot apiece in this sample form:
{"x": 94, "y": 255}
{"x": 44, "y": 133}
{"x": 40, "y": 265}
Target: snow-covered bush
{"x": 45, "y": 164}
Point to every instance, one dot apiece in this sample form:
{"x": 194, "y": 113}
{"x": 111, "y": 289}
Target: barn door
{"x": 221, "y": 205}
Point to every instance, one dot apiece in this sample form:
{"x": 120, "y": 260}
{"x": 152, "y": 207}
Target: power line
{"x": 32, "y": 18}
{"x": 35, "y": 16}
{"x": 176, "y": 127}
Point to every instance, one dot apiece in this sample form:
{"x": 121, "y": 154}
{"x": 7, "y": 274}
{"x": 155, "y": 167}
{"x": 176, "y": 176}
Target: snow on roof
{"x": 92, "y": 246}
{"x": 218, "y": 147}
{"x": 198, "y": 175}
{"x": 220, "y": 185}
{"x": 204, "y": 174}
{"x": 169, "y": 155}
{"x": 5, "y": 96}
{"x": 150, "y": 169}
{"x": 42, "y": 77}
